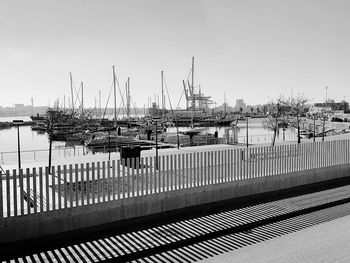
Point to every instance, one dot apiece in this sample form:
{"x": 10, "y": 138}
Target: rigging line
{"x": 109, "y": 95}
{"x": 134, "y": 106}
{"x": 76, "y": 93}
{"x": 180, "y": 98}
{"x": 122, "y": 102}
{"x": 119, "y": 109}
{"x": 121, "y": 95}
{"x": 189, "y": 73}
{"x": 166, "y": 88}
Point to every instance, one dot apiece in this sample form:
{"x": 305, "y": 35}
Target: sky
{"x": 244, "y": 49}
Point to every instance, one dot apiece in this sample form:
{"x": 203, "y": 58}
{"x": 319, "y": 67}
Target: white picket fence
{"x": 37, "y": 191}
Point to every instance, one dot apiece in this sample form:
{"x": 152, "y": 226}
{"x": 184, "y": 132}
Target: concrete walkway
{"x": 328, "y": 242}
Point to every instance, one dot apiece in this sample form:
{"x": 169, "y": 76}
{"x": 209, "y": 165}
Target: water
{"x": 256, "y": 131}
{"x": 29, "y": 140}
{"x": 32, "y": 140}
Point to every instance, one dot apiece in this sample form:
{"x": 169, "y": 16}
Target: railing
{"x": 266, "y": 138}
{"x": 37, "y": 191}
{"x": 42, "y": 154}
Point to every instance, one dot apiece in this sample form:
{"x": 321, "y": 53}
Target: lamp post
{"x": 156, "y": 146}
{"x": 247, "y": 131}
{"x": 314, "y": 128}
{"x": 17, "y": 123}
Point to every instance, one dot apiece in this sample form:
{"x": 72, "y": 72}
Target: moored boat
{"x": 103, "y": 140}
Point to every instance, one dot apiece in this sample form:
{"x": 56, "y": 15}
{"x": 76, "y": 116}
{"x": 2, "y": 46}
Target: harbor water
{"x": 35, "y": 145}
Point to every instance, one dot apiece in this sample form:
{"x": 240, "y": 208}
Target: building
{"x": 19, "y": 107}
{"x": 334, "y": 106}
{"x": 240, "y": 105}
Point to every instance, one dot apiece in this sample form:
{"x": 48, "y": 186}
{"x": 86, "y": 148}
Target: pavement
{"x": 327, "y": 242}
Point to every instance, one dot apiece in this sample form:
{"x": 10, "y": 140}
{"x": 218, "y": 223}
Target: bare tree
{"x": 276, "y": 116}
{"x": 298, "y": 107}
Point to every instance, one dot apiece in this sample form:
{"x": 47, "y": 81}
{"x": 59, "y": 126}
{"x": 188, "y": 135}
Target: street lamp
{"x": 247, "y": 130}
{"x": 17, "y": 123}
{"x": 156, "y": 146}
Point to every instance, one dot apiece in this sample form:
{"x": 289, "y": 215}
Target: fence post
{"x": 8, "y": 193}
{"x": 70, "y": 186}
{"x": 1, "y": 197}
{"x": 47, "y": 193}
{"x": 243, "y": 164}
{"x": 87, "y": 183}
{"x": 28, "y": 190}
{"x": 179, "y": 171}
{"x": 254, "y": 162}
{"x": 98, "y": 180}
{"x": 142, "y": 176}
{"x": 168, "y": 186}
{"x": 183, "y": 185}
{"x": 155, "y": 174}
{"x": 223, "y": 166}
{"x": 82, "y": 185}
{"x": 259, "y": 166}
{"x": 14, "y": 172}
{"x": 76, "y": 170}
{"x": 131, "y": 176}
{"x": 186, "y": 170}
{"x": 35, "y": 191}
{"x": 199, "y": 173}
{"x": 108, "y": 179}
{"x": 59, "y": 186}
{"x": 146, "y": 176}
{"x": 137, "y": 166}
{"x": 250, "y": 160}
{"x": 227, "y": 165}
{"x": 211, "y": 167}
{"x": 162, "y": 174}
{"x": 235, "y": 166}
{"x": 172, "y": 175}
{"x": 190, "y": 175}
{"x": 103, "y": 181}
{"x": 113, "y": 179}
{"x": 151, "y": 175}
{"x": 123, "y": 178}
{"x": 53, "y": 184}
{"x": 21, "y": 188}
{"x": 201, "y": 164}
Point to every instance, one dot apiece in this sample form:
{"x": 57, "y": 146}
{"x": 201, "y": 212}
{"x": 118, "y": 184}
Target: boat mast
{"x": 162, "y": 81}
{"x": 193, "y": 99}
{"x": 99, "y": 97}
{"x": 115, "y": 98}
{"x": 82, "y": 98}
{"x": 95, "y": 107}
{"x": 192, "y": 93}
{"x": 225, "y": 102}
{"x": 71, "y": 90}
{"x": 128, "y": 100}
{"x": 32, "y": 105}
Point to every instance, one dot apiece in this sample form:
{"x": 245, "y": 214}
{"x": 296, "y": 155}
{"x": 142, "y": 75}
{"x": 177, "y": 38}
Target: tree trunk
{"x": 298, "y": 124}
{"x": 274, "y": 136}
{"x": 275, "y": 132}
{"x": 50, "y": 151}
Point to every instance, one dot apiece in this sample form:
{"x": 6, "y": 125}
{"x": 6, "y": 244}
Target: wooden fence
{"x": 36, "y": 190}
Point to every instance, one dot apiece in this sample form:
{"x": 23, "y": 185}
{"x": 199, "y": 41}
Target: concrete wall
{"x": 59, "y": 221}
